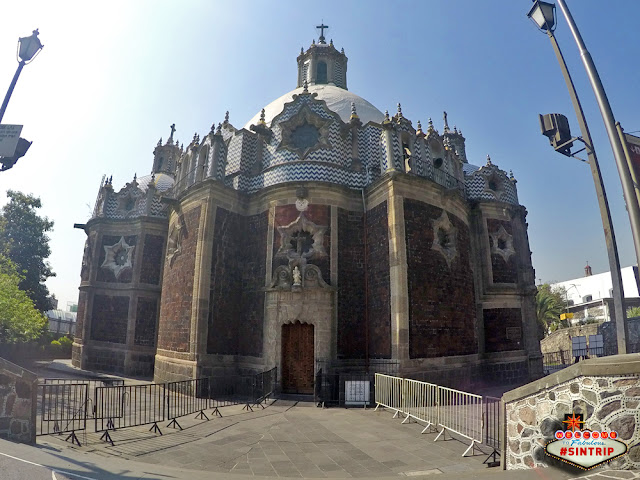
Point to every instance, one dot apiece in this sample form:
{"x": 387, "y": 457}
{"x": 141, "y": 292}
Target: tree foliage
{"x": 20, "y": 321}
{"x": 550, "y": 303}
{"x": 633, "y": 312}
{"x": 24, "y": 240}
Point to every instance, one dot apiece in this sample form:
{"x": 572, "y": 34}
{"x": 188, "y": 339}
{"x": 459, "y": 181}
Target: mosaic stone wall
{"x": 504, "y": 271}
{"x": 17, "y": 403}
{"x": 607, "y": 403}
{"x": 175, "y": 311}
{"x": 441, "y": 296}
{"x": 238, "y": 269}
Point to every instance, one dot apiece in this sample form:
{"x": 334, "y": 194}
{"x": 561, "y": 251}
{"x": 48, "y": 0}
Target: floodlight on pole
{"x": 556, "y": 128}
{"x": 28, "y": 49}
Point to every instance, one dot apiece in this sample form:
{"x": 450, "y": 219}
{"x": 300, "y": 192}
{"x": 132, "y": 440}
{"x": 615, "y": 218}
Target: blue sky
{"x": 114, "y": 75}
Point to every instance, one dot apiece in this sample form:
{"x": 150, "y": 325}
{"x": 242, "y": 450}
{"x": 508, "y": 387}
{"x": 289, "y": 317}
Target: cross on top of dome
{"x": 322, "y": 26}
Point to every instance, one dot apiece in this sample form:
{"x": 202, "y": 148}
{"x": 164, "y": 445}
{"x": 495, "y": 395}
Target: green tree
{"x": 633, "y": 312}
{"x": 550, "y": 303}
{"x": 24, "y": 240}
{"x": 20, "y": 321}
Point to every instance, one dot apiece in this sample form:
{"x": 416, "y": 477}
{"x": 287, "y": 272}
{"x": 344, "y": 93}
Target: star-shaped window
{"x": 444, "y": 238}
{"x": 502, "y": 243}
{"x": 118, "y": 257}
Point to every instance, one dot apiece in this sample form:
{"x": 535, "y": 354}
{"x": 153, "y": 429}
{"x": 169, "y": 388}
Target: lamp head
{"x": 543, "y": 14}
{"x": 28, "y": 47}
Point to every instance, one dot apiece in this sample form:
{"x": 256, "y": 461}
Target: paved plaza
{"x": 289, "y": 438}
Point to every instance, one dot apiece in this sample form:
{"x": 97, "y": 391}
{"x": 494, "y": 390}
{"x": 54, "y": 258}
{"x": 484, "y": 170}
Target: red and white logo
{"x": 584, "y": 449}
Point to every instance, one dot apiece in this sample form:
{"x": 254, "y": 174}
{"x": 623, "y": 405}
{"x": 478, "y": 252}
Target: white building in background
{"x": 590, "y": 297}
{"x": 62, "y": 322}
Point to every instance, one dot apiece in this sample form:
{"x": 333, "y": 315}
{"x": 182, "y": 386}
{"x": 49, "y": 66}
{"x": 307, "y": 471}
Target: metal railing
{"x": 185, "y": 398}
{"x": 442, "y": 408}
{"x": 92, "y": 383}
{"x": 555, "y": 361}
{"x": 63, "y": 409}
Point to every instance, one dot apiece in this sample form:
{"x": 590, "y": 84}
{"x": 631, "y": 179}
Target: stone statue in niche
{"x": 297, "y": 277}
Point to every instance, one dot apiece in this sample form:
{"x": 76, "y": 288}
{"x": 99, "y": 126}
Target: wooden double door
{"x": 297, "y": 358}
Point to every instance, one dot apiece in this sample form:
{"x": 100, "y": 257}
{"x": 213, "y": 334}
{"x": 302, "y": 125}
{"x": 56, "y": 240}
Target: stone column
{"x": 201, "y": 283}
{"x": 398, "y": 278}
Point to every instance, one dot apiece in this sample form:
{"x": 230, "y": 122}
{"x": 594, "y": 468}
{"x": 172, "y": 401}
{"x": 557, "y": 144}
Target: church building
{"x": 321, "y": 232}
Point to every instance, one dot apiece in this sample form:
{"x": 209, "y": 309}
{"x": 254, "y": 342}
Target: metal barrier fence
{"x": 389, "y": 392}
{"x": 129, "y": 406}
{"x": 65, "y": 405}
{"x": 63, "y": 409}
{"x": 555, "y": 361}
{"x": 186, "y": 397}
{"x": 92, "y": 383}
{"x": 466, "y": 414}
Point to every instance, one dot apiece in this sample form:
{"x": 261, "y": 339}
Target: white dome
{"x": 338, "y": 100}
{"x": 163, "y": 182}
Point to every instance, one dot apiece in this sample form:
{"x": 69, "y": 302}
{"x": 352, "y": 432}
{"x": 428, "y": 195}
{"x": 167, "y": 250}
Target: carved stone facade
{"x": 322, "y": 215}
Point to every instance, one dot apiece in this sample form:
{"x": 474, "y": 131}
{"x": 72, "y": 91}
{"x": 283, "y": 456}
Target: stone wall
{"x": 503, "y": 271}
{"x": 442, "y": 319}
{"x": 561, "y": 339}
{"x": 351, "y": 300}
{"x": 236, "y": 297}
{"x": 606, "y": 391}
{"x": 379, "y": 289}
{"x": 502, "y": 329}
{"x": 175, "y": 311}
{"x": 18, "y": 390}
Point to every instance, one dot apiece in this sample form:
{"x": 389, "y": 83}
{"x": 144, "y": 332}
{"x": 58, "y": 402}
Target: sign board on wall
{"x": 9, "y": 136}
{"x": 356, "y": 392}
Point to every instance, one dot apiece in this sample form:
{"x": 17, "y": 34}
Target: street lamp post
{"x": 28, "y": 48}
{"x": 543, "y": 15}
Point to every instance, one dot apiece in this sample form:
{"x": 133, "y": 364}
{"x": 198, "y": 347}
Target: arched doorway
{"x": 297, "y": 358}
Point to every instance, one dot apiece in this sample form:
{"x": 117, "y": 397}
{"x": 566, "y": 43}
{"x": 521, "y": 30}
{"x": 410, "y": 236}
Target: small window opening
{"x": 438, "y": 162}
{"x": 321, "y": 72}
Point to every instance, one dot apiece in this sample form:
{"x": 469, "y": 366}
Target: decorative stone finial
{"x": 159, "y": 142}
{"x": 111, "y": 180}
{"x": 301, "y": 51}
{"x": 399, "y": 109}
{"x": 342, "y": 50}
{"x": 226, "y": 117}
{"x": 153, "y": 179}
{"x": 446, "y": 123}
{"x": 354, "y": 114}
{"x": 135, "y": 177}
{"x": 386, "y": 117}
{"x": 262, "y": 122}
{"x": 419, "y": 132}
{"x": 511, "y": 177}
{"x": 219, "y": 129}
{"x": 430, "y": 128}
{"x": 331, "y": 42}
{"x": 305, "y": 86}
{"x": 455, "y": 129}
{"x": 313, "y": 42}
{"x": 196, "y": 139}
{"x": 489, "y": 161}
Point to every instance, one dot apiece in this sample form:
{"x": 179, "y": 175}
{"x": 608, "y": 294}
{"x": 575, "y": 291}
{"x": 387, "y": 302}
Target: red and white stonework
{"x": 321, "y": 211}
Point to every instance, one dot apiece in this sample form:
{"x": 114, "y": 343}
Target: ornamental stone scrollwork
{"x": 494, "y": 184}
{"x": 174, "y": 243}
{"x": 444, "y": 238}
{"x": 118, "y": 257}
{"x": 502, "y": 243}
{"x": 301, "y": 240}
{"x": 305, "y": 132}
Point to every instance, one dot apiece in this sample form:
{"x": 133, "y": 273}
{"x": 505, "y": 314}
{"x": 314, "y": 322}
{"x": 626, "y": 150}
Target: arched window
{"x": 321, "y": 72}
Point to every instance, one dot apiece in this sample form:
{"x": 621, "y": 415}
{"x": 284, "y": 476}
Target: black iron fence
{"x": 63, "y": 409}
{"x": 555, "y": 361}
{"x": 492, "y": 426}
{"x": 65, "y": 406}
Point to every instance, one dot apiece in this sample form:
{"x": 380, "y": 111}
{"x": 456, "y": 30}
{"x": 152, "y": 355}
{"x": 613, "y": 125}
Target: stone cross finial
{"x": 446, "y": 123}
{"x": 173, "y": 129}
{"x": 322, "y": 26}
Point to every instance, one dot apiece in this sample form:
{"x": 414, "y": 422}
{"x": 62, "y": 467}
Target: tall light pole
{"x": 543, "y": 15}
{"x": 28, "y": 48}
